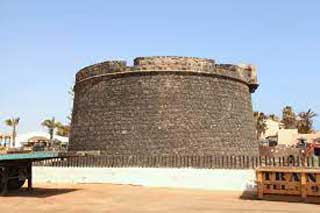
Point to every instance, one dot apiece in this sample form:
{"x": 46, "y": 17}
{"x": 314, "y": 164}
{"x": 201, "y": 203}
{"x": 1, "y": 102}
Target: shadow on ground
{"x": 248, "y": 195}
{"x": 39, "y": 192}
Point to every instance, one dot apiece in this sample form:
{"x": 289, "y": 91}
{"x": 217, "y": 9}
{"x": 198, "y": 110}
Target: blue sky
{"x": 44, "y": 43}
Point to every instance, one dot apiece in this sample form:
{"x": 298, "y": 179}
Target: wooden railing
{"x": 177, "y": 161}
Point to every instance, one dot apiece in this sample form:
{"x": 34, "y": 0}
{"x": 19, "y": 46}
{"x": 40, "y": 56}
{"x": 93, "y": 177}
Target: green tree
{"x": 63, "y": 130}
{"x": 51, "y": 125}
{"x": 13, "y": 122}
{"x": 261, "y": 125}
{"x": 289, "y": 118}
{"x": 305, "y": 121}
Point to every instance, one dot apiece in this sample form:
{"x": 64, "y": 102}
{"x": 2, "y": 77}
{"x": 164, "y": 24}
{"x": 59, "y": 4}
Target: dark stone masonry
{"x": 164, "y": 106}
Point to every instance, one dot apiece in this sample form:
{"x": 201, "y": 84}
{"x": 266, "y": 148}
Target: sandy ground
{"x": 126, "y": 198}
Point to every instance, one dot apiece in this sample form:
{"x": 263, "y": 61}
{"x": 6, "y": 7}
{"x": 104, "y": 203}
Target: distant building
{"x": 272, "y": 128}
{"x": 309, "y": 138}
{"x": 287, "y": 136}
{"x": 38, "y": 137}
{"x": 5, "y": 139}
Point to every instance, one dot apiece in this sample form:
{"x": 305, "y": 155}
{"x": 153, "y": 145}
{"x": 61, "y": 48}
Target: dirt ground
{"x": 127, "y": 198}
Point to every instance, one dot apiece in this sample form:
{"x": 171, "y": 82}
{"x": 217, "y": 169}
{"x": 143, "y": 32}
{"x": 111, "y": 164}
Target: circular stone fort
{"x": 164, "y": 106}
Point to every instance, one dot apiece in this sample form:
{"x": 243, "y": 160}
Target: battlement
{"x": 100, "y": 69}
{"x": 174, "y": 63}
{"x": 243, "y": 72}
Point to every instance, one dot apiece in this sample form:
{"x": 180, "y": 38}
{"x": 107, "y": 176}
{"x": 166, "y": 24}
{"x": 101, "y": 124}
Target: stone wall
{"x": 242, "y": 72}
{"x": 174, "y": 63}
{"x": 164, "y": 105}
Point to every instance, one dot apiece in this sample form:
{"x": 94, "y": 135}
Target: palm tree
{"x": 63, "y": 130}
{"x": 13, "y": 122}
{"x": 261, "y": 125}
{"x": 305, "y": 121}
{"x": 51, "y": 124}
{"x": 289, "y": 118}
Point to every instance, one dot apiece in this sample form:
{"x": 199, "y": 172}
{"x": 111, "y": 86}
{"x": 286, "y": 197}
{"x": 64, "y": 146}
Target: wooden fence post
{"x": 260, "y": 184}
{"x": 303, "y": 185}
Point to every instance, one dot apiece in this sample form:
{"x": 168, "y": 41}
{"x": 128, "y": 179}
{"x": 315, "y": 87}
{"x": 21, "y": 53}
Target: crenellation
{"x": 101, "y": 69}
{"x": 242, "y": 72}
{"x": 174, "y": 63}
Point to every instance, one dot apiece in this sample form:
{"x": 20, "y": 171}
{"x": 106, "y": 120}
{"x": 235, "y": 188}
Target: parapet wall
{"x": 242, "y": 72}
{"x": 174, "y": 63}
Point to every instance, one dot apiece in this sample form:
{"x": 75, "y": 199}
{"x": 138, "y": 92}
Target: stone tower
{"x": 164, "y": 105}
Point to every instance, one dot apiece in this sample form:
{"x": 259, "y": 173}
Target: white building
{"x": 272, "y": 128}
{"x": 286, "y": 136}
{"x": 5, "y": 139}
{"x": 30, "y": 136}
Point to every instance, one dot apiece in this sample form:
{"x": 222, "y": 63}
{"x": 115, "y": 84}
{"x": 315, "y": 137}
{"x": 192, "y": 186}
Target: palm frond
{"x": 12, "y": 121}
{"x": 8, "y": 122}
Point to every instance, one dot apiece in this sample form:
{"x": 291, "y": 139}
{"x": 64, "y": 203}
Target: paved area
{"x": 126, "y": 198}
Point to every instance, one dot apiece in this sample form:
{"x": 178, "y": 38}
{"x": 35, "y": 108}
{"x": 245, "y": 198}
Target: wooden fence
{"x": 176, "y": 161}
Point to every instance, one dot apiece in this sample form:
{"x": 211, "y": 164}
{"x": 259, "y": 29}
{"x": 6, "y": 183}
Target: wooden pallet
{"x": 299, "y": 182}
